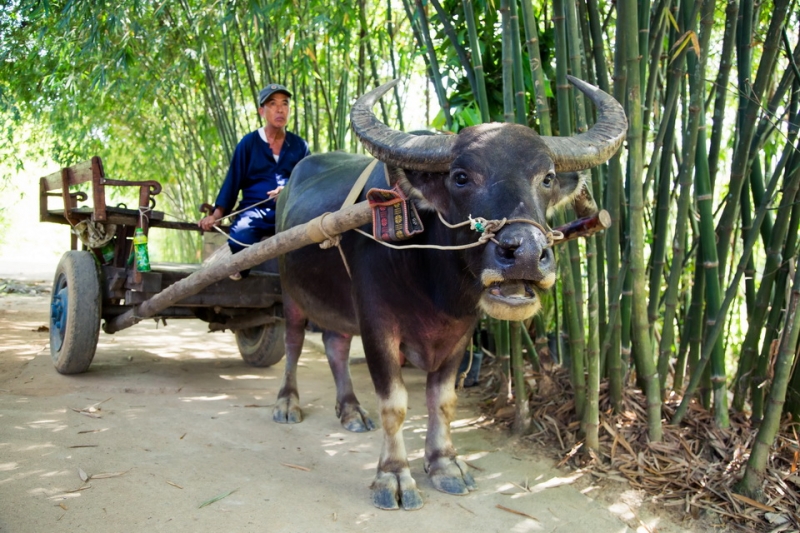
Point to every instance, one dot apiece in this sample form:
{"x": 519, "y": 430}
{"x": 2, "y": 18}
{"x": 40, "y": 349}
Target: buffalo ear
{"x": 427, "y": 189}
{"x": 568, "y": 183}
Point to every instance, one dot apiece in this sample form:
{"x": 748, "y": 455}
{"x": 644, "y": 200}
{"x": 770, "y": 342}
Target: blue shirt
{"x": 254, "y": 171}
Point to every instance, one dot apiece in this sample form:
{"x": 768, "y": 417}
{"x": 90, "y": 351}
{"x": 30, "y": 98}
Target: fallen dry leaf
{"x": 750, "y": 501}
{"x": 86, "y": 413}
{"x": 520, "y": 513}
{"x": 298, "y": 467}
{"x": 107, "y": 475}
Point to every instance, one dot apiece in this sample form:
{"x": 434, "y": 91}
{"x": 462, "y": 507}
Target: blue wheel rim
{"x": 58, "y": 313}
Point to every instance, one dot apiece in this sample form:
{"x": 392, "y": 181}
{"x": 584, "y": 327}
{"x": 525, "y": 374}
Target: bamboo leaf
{"x": 695, "y": 43}
{"x": 679, "y": 45}
{"x": 672, "y": 20}
{"x": 217, "y": 498}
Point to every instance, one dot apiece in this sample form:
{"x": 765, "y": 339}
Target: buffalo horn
{"x": 414, "y": 152}
{"x": 432, "y": 153}
{"x": 600, "y": 143}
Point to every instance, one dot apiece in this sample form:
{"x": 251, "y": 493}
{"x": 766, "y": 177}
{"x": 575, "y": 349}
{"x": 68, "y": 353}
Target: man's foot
{"x": 236, "y": 276}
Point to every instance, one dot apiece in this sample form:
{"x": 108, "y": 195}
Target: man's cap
{"x": 271, "y": 89}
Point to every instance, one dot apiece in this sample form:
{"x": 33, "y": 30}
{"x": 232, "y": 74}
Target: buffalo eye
{"x": 460, "y": 178}
{"x": 547, "y": 181}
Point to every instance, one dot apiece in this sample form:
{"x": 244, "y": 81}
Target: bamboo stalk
{"x": 508, "y": 62}
{"x": 436, "y": 74}
{"x": 396, "y": 89}
{"x": 642, "y": 348}
{"x": 655, "y": 45}
{"x": 522, "y": 418}
{"x": 762, "y": 365}
{"x": 721, "y": 83}
{"x": 537, "y": 73}
{"x": 710, "y": 264}
{"x": 751, "y": 483}
{"x": 756, "y": 320}
{"x": 663, "y": 217}
{"x": 665, "y": 348}
{"x": 455, "y": 42}
{"x": 591, "y": 418}
{"x": 520, "y": 104}
{"x": 533, "y": 354}
{"x": 570, "y": 269}
{"x": 691, "y": 334}
{"x": 613, "y": 202}
{"x": 477, "y": 61}
{"x": 730, "y": 294}
{"x": 751, "y": 101}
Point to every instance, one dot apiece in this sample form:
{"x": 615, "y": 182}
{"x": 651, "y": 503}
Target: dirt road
{"x": 168, "y": 419}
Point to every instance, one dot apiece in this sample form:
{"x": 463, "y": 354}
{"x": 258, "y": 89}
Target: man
{"x": 261, "y": 165}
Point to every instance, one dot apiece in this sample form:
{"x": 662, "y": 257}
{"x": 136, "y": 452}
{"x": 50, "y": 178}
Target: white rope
{"x": 217, "y": 228}
{"x": 487, "y": 228}
{"x": 143, "y": 210}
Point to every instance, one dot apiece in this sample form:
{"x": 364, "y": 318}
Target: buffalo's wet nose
{"x": 509, "y": 247}
{"x": 522, "y": 253}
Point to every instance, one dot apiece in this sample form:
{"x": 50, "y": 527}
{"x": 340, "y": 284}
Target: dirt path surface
{"x": 169, "y": 418}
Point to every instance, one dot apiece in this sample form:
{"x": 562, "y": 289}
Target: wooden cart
{"x": 91, "y": 286}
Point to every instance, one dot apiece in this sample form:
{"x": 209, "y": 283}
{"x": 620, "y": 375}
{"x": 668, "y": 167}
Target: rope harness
{"x": 488, "y": 229}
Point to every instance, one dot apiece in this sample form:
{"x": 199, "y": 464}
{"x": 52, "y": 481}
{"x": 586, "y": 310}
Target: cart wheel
{"x": 261, "y": 346}
{"x": 75, "y": 312}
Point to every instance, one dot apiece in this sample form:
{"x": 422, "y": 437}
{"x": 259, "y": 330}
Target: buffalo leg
{"x": 287, "y": 406}
{"x": 393, "y": 485}
{"x": 352, "y": 416}
{"x": 447, "y": 472}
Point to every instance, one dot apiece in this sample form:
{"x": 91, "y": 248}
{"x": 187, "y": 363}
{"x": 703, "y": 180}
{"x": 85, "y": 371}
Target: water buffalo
{"x": 424, "y": 303}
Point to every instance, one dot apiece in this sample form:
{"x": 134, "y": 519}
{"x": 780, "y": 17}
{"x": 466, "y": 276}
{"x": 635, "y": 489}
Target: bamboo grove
{"x": 690, "y": 296}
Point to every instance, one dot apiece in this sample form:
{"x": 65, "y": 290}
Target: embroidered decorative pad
{"x": 394, "y": 216}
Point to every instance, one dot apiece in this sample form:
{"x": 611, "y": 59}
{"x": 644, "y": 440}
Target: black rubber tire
{"x": 75, "y": 312}
{"x": 262, "y": 346}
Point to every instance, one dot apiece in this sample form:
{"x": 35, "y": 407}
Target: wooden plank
{"x": 98, "y": 190}
{"x": 43, "y": 200}
{"x": 80, "y": 173}
{"x": 232, "y": 299}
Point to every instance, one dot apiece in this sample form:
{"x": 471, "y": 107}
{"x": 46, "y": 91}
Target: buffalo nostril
{"x": 506, "y": 252}
{"x": 546, "y": 257}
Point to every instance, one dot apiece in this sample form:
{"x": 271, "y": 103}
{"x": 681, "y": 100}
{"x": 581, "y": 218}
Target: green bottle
{"x": 107, "y": 251}
{"x": 140, "y": 245}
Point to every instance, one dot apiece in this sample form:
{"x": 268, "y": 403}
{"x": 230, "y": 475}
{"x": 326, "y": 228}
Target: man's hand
{"x": 208, "y": 222}
{"x": 274, "y": 192}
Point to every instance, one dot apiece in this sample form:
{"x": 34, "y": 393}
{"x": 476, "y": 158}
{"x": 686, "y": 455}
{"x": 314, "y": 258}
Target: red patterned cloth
{"x": 394, "y": 216}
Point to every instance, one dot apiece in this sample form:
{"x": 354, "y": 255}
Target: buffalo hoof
{"x": 451, "y": 476}
{"x": 355, "y": 419}
{"x": 286, "y": 411}
{"x": 390, "y": 491}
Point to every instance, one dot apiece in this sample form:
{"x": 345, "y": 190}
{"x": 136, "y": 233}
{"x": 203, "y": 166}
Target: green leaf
{"x": 217, "y": 498}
